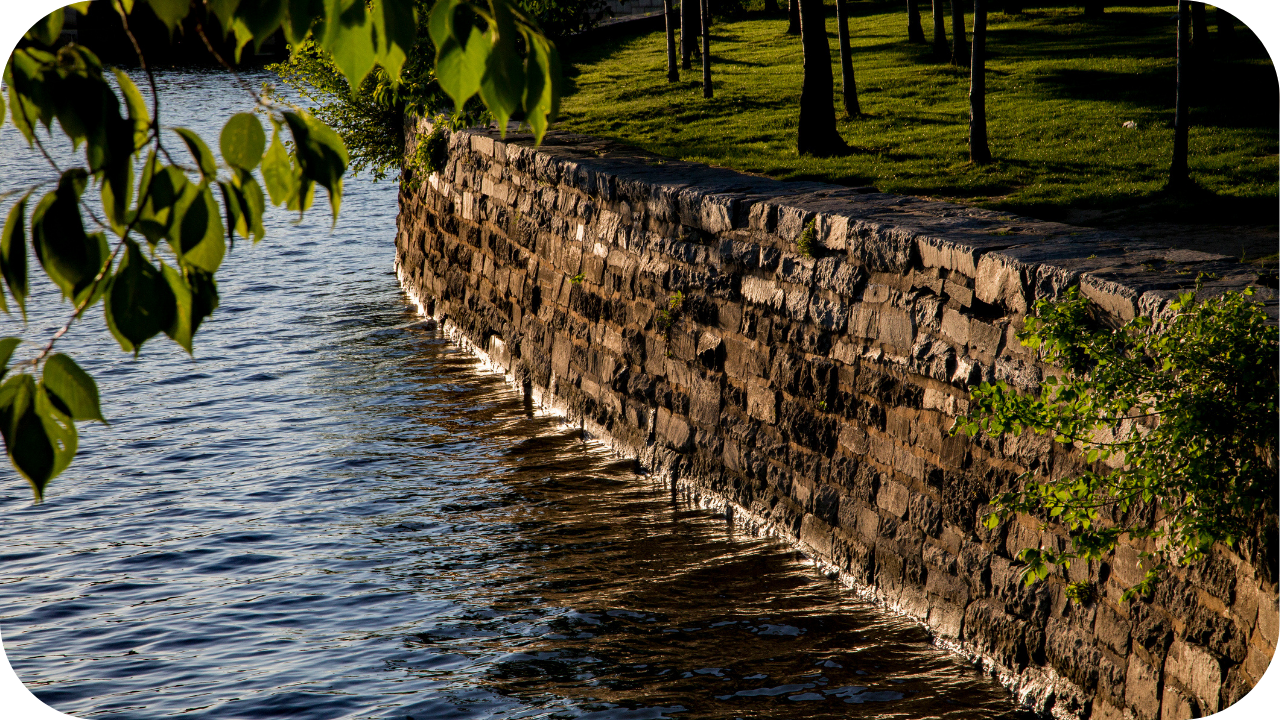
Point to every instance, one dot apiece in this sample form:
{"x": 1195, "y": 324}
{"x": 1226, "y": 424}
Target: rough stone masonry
{"x": 664, "y": 305}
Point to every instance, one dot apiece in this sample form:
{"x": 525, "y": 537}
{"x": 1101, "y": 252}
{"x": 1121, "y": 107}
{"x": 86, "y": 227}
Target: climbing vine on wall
{"x": 1176, "y": 423}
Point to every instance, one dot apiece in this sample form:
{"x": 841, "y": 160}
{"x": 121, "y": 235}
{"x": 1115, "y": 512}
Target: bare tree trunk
{"x": 1178, "y": 176}
{"x": 979, "y": 152}
{"x": 1226, "y": 26}
{"x": 848, "y": 86}
{"x": 816, "y": 133}
{"x": 793, "y": 17}
{"x": 689, "y": 25}
{"x": 1094, "y": 8}
{"x": 1199, "y": 28}
{"x": 673, "y": 68}
{"x": 940, "y": 48}
{"x": 706, "y": 48}
{"x": 915, "y": 33}
{"x": 959, "y": 45}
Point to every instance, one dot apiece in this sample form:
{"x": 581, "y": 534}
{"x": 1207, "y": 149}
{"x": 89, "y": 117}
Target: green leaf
{"x": 252, "y": 204}
{"x": 29, "y": 95}
{"x": 73, "y": 387}
{"x": 225, "y": 11}
{"x": 502, "y": 87}
{"x": 139, "y": 303}
{"x": 242, "y": 141}
{"x": 137, "y": 108}
{"x": 195, "y": 298}
{"x": 278, "y": 172}
{"x": 395, "y": 29}
{"x": 39, "y": 439}
{"x": 321, "y": 154}
{"x": 258, "y": 19}
{"x": 204, "y": 159}
{"x": 13, "y": 253}
{"x": 47, "y": 29}
{"x": 170, "y": 12}
{"x": 7, "y": 346}
{"x": 201, "y": 242}
{"x": 461, "y": 50}
{"x": 300, "y": 15}
{"x": 349, "y": 41}
{"x": 69, "y": 257}
{"x": 182, "y": 329}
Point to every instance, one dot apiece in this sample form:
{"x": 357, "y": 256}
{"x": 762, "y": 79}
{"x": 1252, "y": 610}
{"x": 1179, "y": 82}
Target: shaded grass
{"x": 1059, "y": 89}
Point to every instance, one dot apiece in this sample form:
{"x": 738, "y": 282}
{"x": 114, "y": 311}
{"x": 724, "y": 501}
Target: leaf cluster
{"x": 1175, "y": 422}
{"x": 150, "y": 259}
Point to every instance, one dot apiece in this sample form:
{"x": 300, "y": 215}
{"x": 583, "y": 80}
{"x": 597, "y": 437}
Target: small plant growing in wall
{"x": 1177, "y": 425}
{"x": 807, "y": 245}
{"x": 577, "y": 279}
{"x": 432, "y": 152}
{"x": 1082, "y": 593}
{"x": 670, "y": 315}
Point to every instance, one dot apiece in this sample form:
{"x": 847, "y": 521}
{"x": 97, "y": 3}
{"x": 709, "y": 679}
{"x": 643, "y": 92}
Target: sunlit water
{"x": 332, "y": 512}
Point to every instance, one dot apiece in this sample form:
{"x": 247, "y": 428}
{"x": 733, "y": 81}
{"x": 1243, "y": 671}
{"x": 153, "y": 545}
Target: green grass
{"x": 1059, "y": 89}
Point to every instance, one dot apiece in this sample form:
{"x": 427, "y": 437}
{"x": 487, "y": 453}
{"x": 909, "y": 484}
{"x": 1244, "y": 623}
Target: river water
{"x": 332, "y": 512}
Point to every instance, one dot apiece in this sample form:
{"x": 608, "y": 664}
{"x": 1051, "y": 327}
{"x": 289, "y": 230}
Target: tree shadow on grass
{"x": 1236, "y": 95}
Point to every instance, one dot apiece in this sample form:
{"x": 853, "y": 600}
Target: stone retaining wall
{"x": 811, "y": 397}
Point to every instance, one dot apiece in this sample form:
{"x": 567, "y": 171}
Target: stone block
{"x": 955, "y": 326}
{"x": 1177, "y": 705}
{"x": 1111, "y": 628}
{"x": 1000, "y": 282}
{"x": 894, "y": 497}
{"x": 958, "y": 294}
{"x": 897, "y": 329}
{"x": 985, "y": 338}
{"x": 561, "y": 354}
{"x": 763, "y": 292}
{"x": 762, "y": 401}
{"x": 816, "y": 534}
{"x": 868, "y": 525}
{"x": 673, "y": 430}
{"x": 1198, "y": 671}
{"x": 1142, "y": 689}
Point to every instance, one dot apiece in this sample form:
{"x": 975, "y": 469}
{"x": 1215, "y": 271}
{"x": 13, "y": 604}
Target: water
{"x": 332, "y": 512}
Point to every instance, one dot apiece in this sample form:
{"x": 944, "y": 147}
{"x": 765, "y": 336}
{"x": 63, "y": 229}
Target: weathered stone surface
{"x": 814, "y": 395}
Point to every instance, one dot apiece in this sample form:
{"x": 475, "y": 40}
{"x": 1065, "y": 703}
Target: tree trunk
{"x": 979, "y": 152}
{"x": 940, "y": 48}
{"x": 1226, "y": 27}
{"x": 848, "y": 86}
{"x": 915, "y": 32}
{"x": 771, "y": 6}
{"x": 689, "y": 24}
{"x": 1178, "y": 177}
{"x": 1199, "y": 28}
{"x": 793, "y": 17}
{"x": 1094, "y": 8}
{"x": 673, "y": 68}
{"x": 816, "y": 133}
{"x": 959, "y": 45}
{"x": 706, "y": 48}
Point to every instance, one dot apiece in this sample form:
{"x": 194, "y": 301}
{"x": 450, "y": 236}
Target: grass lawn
{"x": 1059, "y": 89}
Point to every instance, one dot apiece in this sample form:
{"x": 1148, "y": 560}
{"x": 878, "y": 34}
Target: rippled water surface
{"x": 332, "y": 512}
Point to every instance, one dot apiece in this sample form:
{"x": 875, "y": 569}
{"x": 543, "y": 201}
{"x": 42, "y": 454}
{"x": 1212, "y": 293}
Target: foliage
{"x": 171, "y": 221}
{"x": 1058, "y": 92}
{"x": 670, "y": 315}
{"x": 1176, "y": 424}
{"x": 807, "y": 244}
